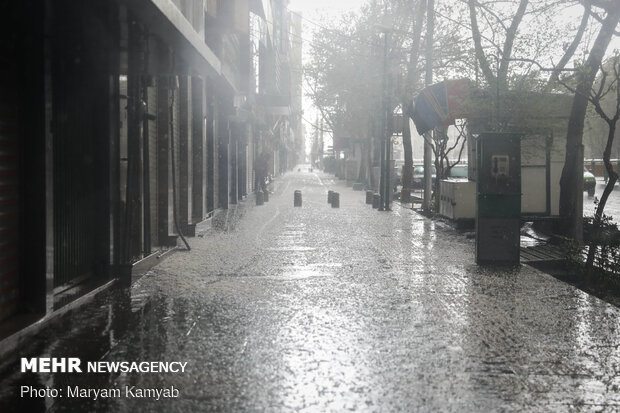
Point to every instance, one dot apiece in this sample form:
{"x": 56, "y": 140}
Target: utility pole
{"x": 321, "y": 149}
{"x": 428, "y": 150}
{"x": 388, "y": 131}
{"x": 384, "y": 185}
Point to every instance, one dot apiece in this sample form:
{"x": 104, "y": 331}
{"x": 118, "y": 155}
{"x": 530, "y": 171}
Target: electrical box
{"x": 498, "y": 193}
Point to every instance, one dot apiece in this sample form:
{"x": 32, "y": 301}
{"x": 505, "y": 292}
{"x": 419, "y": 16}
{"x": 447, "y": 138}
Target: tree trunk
{"x": 412, "y": 78}
{"x": 572, "y": 175}
{"x": 478, "y": 48}
{"x": 405, "y": 194}
{"x": 511, "y": 34}
{"x": 613, "y": 177}
{"x": 436, "y": 185}
{"x": 430, "y": 27}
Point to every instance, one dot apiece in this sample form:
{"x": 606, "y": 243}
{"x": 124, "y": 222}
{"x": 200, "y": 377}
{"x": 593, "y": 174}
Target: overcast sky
{"x": 309, "y": 7}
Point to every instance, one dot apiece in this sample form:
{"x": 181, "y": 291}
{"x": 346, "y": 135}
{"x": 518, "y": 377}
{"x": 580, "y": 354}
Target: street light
{"x": 386, "y": 149}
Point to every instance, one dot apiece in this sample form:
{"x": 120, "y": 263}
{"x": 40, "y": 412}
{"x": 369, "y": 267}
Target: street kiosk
{"x": 498, "y": 207}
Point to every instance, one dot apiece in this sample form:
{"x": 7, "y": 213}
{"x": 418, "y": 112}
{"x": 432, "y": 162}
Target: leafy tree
{"x": 344, "y": 75}
{"x": 500, "y": 40}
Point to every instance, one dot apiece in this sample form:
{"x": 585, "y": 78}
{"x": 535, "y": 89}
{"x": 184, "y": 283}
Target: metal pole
{"x": 388, "y": 175}
{"x": 548, "y": 146}
{"x": 428, "y": 172}
{"x": 497, "y": 104}
{"x": 428, "y": 151}
{"x": 321, "y": 148}
{"x": 382, "y": 178}
{"x": 388, "y": 129}
{"x": 382, "y": 184}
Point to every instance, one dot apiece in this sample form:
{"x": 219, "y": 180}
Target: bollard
{"x": 335, "y": 200}
{"x": 297, "y": 198}
{"x": 266, "y": 196}
{"x": 369, "y": 195}
{"x": 260, "y": 198}
{"x": 376, "y": 200}
{"x": 329, "y": 196}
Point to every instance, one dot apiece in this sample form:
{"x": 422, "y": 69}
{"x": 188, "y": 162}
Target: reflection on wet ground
{"x": 324, "y": 309}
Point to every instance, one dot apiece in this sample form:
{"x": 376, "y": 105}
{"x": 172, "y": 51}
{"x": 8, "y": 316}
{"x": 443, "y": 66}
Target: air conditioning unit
{"x": 457, "y": 198}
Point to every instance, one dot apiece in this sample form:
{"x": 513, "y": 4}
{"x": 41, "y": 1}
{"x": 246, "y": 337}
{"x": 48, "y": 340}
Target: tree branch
{"x": 570, "y": 51}
{"x": 600, "y": 20}
{"x": 475, "y": 31}
{"x": 511, "y": 34}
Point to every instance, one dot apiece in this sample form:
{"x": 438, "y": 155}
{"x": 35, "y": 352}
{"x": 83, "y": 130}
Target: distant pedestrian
{"x": 260, "y": 170}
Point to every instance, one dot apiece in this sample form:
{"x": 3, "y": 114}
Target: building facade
{"x": 123, "y": 124}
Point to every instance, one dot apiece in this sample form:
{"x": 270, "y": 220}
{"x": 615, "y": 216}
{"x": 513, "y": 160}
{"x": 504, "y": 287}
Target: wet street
{"x": 316, "y": 308}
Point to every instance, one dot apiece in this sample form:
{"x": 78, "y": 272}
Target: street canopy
{"x": 440, "y": 104}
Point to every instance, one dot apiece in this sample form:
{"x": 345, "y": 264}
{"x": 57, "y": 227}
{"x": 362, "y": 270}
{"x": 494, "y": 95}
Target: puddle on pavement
{"x": 290, "y": 248}
{"x": 300, "y": 272}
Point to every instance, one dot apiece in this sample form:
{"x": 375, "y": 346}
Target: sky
{"x": 309, "y": 7}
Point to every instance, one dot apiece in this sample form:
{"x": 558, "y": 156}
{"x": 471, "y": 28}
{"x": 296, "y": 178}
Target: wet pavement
{"x": 278, "y": 308}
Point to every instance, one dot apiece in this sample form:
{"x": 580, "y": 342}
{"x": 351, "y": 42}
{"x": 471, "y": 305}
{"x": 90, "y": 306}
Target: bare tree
{"x": 503, "y": 54}
{"x": 569, "y": 52}
{"x": 608, "y": 84}
{"x": 570, "y": 190}
{"x": 407, "y": 97}
{"x": 442, "y": 149}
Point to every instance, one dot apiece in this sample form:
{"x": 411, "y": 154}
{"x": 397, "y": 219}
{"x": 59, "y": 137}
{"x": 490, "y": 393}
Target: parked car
{"x": 589, "y": 182}
{"x": 418, "y": 176}
{"x": 459, "y": 171}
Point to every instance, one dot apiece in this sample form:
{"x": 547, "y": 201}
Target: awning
{"x": 441, "y": 104}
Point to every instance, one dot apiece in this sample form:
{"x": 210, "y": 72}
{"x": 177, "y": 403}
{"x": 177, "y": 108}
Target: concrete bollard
{"x": 376, "y": 200}
{"x": 260, "y": 198}
{"x": 266, "y": 196}
{"x": 369, "y": 195}
{"x": 335, "y": 200}
{"x": 329, "y": 196}
{"x": 297, "y": 198}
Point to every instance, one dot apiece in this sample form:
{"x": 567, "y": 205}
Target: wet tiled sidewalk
{"x": 334, "y": 309}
